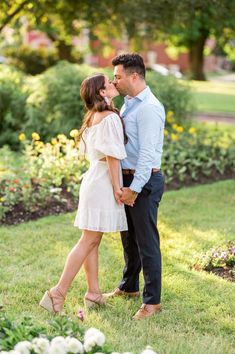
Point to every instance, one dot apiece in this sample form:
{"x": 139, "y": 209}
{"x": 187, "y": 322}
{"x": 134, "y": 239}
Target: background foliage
{"x": 50, "y": 103}
{"x": 13, "y": 97}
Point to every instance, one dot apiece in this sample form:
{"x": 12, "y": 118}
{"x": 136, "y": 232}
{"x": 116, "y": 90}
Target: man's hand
{"x": 128, "y": 197}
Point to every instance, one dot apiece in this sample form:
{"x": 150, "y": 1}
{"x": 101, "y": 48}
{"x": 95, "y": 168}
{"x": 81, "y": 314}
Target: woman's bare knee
{"x": 91, "y": 238}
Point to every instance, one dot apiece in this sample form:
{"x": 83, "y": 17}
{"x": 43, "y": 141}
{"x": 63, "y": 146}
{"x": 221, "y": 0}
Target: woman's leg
{"x": 91, "y": 269}
{"x": 74, "y": 261}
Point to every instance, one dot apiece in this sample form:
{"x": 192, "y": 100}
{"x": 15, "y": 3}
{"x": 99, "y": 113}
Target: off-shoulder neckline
{"x": 95, "y": 125}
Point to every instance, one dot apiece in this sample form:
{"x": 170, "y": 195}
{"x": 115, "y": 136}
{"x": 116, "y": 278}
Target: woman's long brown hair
{"x": 94, "y": 102}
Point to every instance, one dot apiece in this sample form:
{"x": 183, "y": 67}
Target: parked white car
{"x": 161, "y": 69}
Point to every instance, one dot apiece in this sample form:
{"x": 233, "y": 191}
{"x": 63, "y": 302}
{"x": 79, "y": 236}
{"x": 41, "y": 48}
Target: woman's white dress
{"x": 97, "y": 208}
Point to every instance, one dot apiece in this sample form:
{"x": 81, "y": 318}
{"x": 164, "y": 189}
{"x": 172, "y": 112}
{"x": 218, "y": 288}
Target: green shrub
{"x": 54, "y": 105}
{"x": 175, "y": 96}
{"x": 31, "y": 61}
{"x": 198, "y": 155}
{"x": 12, "y": 105}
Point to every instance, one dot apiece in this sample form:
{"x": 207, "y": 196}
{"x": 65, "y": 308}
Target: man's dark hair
{"x": 132, "y": 63}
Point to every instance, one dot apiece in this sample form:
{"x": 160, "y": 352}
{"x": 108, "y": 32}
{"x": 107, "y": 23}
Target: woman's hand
{"x": 118, "y": 195}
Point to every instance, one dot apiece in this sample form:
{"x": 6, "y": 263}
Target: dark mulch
{"x": 214, "y": 176}
{"x": 225, "y": 273}
{"x": 19, "y": 214}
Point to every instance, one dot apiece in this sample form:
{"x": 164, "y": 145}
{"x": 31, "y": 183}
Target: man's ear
{"x": 135, "y": 76}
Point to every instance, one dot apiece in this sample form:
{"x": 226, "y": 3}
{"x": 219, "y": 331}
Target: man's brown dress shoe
{"x": 146, "y": 310}
{"x": 118, "y": 292}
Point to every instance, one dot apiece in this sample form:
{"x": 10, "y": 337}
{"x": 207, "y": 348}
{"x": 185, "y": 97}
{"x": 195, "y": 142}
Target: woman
{"x": 100, "y": 209}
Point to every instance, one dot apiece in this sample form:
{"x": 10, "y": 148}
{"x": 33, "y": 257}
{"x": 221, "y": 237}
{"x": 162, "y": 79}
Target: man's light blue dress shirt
{"x": 144, "y": 119}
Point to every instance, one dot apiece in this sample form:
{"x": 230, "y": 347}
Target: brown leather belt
{"x": 131, "y": 172}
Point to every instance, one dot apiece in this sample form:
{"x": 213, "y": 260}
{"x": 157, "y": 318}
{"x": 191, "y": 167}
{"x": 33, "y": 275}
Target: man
{"x": 143, "y": 117}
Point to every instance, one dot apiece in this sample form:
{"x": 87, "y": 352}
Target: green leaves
{"x": 197, "y": 156}
{"x": 13, "y": 332}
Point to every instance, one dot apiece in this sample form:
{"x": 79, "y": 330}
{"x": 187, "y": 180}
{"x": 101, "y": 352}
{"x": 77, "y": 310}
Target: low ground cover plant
{"x": 219, "y": 260}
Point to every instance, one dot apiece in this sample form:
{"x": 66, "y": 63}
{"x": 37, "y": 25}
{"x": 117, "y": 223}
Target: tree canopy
{"x": 187, "y": 23}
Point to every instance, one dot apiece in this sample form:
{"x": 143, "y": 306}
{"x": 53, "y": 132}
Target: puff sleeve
{"x": 82, "y": 143}
{"x": 108, "y": 138}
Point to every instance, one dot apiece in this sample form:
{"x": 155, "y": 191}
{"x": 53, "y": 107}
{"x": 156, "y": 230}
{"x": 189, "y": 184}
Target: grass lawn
{"x": 198, "y": 308}
{"x": 214, "y": 97}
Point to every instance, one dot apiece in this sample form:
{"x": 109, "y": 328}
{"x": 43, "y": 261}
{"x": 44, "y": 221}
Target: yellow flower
{"x": 74, "y": 133}
{"x": 2, "y": 199}
{"x": 192, "y": 130}
{"x": 22, "y": 137}
{"x": 39, "y": 144}
{"x": 174, "y": 137}
{"x": 72, "y": 143}
{"x": 166, "y": 132}
{"x": 35, "y": 136}
{"x": 170, "y": 117}
{"x": 54, "y": 141}
{"x": 175, "y": 126}
{"x": 180, "y": 129}
{"x": 170, "y": 114}
{"x": 62, "y": 138}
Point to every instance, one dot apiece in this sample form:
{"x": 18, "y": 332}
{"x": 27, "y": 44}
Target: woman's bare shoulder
{"x": 99, "y": 116}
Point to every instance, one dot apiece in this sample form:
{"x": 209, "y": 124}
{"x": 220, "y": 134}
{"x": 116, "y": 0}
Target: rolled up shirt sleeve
{"x": 150, "y": 125}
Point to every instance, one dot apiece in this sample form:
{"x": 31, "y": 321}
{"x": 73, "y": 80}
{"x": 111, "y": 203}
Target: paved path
{"x": 214, "y": 117}
{"x": 224, "y": 78}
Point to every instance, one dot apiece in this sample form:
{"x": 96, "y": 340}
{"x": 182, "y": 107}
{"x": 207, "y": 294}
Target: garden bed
{"x": 47, "y": 181}
{"x": 20, "y": 214}
{"x": 225, "y": 273}
{"x": 218, "y": 260}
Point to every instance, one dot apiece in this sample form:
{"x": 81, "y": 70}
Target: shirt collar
{"x": 141, "y": 96}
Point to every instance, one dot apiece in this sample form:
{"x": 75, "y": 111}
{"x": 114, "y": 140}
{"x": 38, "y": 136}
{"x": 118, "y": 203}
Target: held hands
{"x": 128, "y": 196}
{"x": 125, "y": 196}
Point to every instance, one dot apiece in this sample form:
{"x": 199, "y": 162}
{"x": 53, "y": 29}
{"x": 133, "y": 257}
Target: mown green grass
{"x": 198, "y": 308}
{"x": 214, "y": 97}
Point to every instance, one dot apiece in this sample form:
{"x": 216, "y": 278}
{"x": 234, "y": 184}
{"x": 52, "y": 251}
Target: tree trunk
{"x": 65, "y": 51}
{"x": 196, "y": 56}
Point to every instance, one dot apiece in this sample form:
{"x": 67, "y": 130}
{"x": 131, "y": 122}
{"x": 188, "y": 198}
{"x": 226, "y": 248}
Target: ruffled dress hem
{"x": 101, "y": 220}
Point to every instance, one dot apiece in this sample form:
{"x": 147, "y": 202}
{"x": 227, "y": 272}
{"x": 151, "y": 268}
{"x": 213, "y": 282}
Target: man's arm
{"x": 150, "y": 122}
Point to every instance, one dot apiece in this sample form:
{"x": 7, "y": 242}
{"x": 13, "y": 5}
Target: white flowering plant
{"x": 67, "y": 338}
